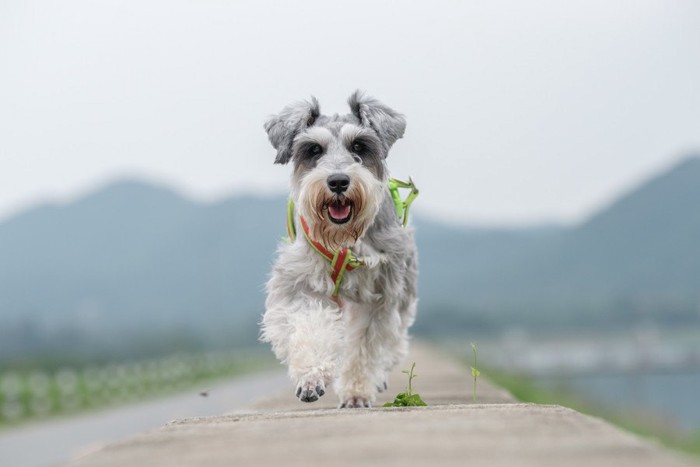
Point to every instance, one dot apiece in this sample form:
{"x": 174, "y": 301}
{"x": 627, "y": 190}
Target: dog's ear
{"x": 388, "y": 123}
{"x": 283, "y": 127}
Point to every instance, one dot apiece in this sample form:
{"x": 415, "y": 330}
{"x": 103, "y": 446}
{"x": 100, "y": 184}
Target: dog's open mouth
{"x": 340, "y": 211}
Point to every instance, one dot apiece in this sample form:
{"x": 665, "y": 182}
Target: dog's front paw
{"x": 355, "y": 403}
{"x": 310, "y": 390}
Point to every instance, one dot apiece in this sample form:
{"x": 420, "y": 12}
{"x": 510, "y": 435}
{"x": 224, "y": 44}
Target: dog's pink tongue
{"x": 338, "y": 211}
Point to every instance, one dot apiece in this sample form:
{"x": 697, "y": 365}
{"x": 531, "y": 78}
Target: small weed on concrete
{"x": 475, "y": 372}
{"x": 408, "y": 398}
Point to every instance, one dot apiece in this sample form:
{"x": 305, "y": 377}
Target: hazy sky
{"x": 517, "y": 111}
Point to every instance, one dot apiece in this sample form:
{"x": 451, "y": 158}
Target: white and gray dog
{"x": 342, "y": 293}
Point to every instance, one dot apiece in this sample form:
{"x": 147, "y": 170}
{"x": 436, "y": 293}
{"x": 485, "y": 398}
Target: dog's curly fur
{"x": 354, "y": 339}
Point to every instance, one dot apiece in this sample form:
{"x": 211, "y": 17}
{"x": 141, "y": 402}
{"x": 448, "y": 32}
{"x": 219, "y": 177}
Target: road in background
{"x": 59, "y": 440}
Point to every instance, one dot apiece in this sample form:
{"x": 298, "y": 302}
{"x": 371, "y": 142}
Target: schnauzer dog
{"x": 342, "y": 293}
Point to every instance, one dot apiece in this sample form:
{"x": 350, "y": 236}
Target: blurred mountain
{"x": 636, "y": 260}
{"x": 134, "y": 258}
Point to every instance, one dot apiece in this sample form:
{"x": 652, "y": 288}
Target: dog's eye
{"x": 315, "y": 150}
{"x": 358, "y": 148}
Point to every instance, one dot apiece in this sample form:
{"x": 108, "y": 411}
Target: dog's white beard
{"x": 365, "y": 193}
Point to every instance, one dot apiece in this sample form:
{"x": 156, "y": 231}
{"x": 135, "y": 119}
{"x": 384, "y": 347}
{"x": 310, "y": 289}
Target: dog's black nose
{"x": 338, "y": 183}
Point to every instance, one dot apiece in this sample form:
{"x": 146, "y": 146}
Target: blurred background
{"x": 556, "y": 146}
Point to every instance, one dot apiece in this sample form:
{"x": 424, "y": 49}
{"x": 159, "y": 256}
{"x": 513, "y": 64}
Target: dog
{"x": 342, "y": 293}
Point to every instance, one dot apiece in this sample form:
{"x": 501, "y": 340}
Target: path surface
{"x": 496, "y": 431}
{"x": 59, "y": 440}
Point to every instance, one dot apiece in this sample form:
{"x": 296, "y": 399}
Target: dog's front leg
{"x": 370, "y": 334}
{"x": 305, "y": 335}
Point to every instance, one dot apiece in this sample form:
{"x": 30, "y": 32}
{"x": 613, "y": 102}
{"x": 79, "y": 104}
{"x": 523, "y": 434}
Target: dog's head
{"x": 339, "y": 163}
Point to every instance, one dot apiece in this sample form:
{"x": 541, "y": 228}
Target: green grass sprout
{"x": 408, "y": 398}
{"x": 475, "y": 372}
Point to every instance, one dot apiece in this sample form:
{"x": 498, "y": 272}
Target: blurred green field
{"x": 34, "y": 394}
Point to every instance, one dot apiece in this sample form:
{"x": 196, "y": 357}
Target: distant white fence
{"x": 39, "y": 394}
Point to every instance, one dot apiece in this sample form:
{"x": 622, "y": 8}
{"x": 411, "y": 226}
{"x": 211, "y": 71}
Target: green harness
{"x": 344, "y": 259}
{"x": 402, "y": 205}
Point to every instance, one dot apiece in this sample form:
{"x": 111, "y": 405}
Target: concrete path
{"x": 452, "y": 431}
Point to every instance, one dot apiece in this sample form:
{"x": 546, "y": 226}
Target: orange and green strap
{"x": 341, "y": 260}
